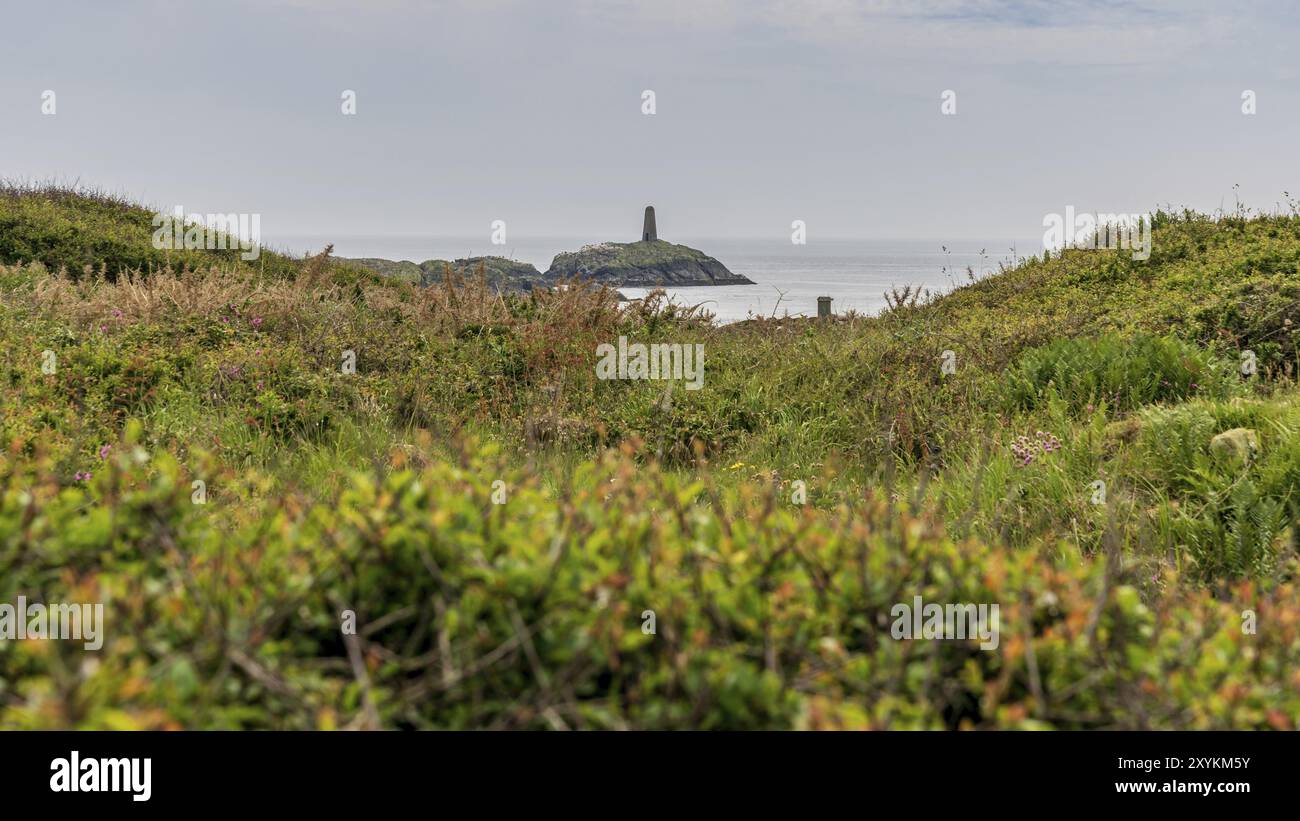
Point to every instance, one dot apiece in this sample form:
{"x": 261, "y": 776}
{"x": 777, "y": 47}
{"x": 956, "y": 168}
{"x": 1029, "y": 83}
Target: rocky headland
{"x": 649, "y": 263}
{"x": 645, "y": 264}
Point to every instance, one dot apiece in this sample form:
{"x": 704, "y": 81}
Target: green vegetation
{"x": 80, "y": 230}
{"x": 499, "y": 521}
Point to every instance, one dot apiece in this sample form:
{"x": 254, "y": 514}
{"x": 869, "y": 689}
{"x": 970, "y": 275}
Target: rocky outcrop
{"x": 1235, "y": 448}
{"x": 650, "y": 263}
{"x": 404, "y": 269}
{"x": 646, "y": 264}
{"x": 501, "y": 273}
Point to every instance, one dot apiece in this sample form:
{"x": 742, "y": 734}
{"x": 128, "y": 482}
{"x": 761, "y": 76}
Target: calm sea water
{"x": 789, "y": 278}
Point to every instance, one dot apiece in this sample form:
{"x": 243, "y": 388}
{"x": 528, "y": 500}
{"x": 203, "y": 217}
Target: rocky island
{"x": 649, "y": 263}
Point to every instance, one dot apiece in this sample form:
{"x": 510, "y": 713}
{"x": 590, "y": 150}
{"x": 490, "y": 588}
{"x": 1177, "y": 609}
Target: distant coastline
{"x": 855, "y": 273}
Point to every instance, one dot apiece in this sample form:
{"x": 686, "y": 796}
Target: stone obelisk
{"x": 648, "y": 232}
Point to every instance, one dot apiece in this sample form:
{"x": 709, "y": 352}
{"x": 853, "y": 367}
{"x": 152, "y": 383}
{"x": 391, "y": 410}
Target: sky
{"x": 766, "y": 112}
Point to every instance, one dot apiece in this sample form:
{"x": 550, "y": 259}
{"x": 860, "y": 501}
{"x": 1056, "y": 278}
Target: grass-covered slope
{"x": 500, "y": 521}
{"x": 83, "y": 231}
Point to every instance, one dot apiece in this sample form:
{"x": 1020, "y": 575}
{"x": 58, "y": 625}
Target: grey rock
{"x": 645, "y": 264}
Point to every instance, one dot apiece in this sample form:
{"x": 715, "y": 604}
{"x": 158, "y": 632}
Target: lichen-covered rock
{"x": 1122, "y": 432}
{"x": 646, "y": 264}
{"x": 1236, "y": 447}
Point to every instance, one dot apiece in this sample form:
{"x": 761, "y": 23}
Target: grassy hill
{"x": 86, "y": 230}
{"x": 442, "y": 463}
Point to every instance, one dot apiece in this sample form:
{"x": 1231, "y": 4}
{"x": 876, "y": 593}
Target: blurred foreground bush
{"x": 530, "y": 614}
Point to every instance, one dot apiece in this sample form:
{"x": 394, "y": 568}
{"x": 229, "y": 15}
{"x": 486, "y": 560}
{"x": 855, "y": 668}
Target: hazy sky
{"x": 767, "y": 112}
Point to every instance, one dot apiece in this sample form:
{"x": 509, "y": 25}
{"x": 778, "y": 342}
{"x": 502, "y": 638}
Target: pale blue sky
{"x": 768, "y": 112}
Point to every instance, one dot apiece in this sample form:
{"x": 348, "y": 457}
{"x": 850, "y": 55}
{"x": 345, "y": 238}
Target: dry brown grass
{"x": 306, "y": 302}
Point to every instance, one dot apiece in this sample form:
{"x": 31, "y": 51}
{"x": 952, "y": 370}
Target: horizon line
{"x": 475, "y": 238}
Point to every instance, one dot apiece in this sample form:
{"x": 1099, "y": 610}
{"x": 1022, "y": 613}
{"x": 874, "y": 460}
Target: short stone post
{"x": 823, "y": 307}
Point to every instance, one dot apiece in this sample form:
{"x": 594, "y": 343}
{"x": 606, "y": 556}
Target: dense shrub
{"x": 1121, "y": 372}
{"x": 530, "y": 613}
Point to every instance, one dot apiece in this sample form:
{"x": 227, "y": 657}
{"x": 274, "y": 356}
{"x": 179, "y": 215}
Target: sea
{"x": 854, "y": 273}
